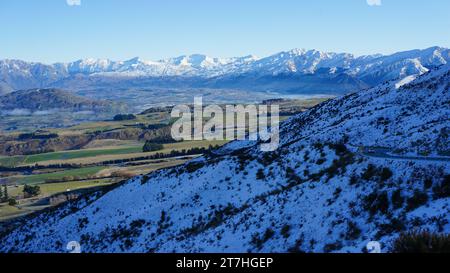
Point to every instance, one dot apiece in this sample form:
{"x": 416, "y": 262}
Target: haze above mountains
{"x": 297, "y": 71}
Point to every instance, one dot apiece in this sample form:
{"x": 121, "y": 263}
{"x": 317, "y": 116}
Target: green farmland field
{"x": 64, "y": 155}
{"x": 42, "y": 178}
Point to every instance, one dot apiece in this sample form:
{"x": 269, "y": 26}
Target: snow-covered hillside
{"x": 297, "y": 70}
{"x": 363, "y": 167}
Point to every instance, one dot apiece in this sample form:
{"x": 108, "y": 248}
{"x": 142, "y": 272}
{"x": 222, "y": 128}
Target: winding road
{"x": 384, "y": 153}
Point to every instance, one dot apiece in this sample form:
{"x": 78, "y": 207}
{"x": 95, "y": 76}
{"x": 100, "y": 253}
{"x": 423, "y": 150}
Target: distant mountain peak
{"x": 368, "y": 70}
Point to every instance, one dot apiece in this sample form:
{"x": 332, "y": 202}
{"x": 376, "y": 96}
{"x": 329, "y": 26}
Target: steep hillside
{"x": 363, "y": 167}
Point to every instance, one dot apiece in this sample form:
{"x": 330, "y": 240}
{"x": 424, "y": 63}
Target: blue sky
{"x": 51, "y": 30}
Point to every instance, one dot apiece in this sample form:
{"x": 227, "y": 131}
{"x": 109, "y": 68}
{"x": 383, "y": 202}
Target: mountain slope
{"x": 323, "y": 190}
{"x": 296, "y": 71}
{"x": 20, "y": 75}
{"x": 49, "y": 99}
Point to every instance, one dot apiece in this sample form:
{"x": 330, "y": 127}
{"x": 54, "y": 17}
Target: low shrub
{"x": 385, "y": 174}
{"x": 152, "y": 147}
{"x": 422, "y": 242}
{"x": 260, "y": 174}
{"x": 397, "y": 199}
{"x": 332, "y": 247}
{"x": 353, "y": 231}
{"x": 418, "y": 199}
{"x": 376, "y": 202}
{"x": 194, "y": 166}
{"x": 31, "y": 191}
{"x": 442, "y": 190}
{"x": 12, "y": 202}
{"x": 285, "y": 231}
{"x": 258, "y": 241}
{"x": 121, "y": 117}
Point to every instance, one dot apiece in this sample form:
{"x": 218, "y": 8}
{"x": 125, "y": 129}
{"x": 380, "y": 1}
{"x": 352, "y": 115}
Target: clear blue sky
{"x": 51, "y": 30}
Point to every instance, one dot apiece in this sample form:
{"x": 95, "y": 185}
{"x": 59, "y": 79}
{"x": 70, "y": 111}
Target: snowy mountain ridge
{"x": 366, "y": 166}
{"x": 338, "y": 68}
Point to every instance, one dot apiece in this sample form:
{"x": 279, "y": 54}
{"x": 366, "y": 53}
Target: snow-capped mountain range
{"x": 294, "y": 71}
{"x": 330, "y": 187}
